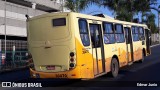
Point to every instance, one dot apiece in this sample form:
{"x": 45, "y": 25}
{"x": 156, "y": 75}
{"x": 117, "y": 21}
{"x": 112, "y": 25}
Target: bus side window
{"x": 108, "y": 31}
{"x": 95, "y": 37}
{"x": 141, "y": 33}
{"x": 92, "y": 37}
{"x": 127, "y": 36}
{"x": 135, "y": 33}
{"x": 119, "y": 33}
{"x": 83, "y": 29}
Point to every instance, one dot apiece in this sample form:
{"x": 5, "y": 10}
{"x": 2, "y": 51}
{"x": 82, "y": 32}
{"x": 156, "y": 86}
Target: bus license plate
{"x": 50, "y": 67}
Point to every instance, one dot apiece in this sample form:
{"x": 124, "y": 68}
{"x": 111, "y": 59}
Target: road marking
{"x": 155, "y": 45}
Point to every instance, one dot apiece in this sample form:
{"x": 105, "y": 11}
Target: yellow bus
{"x": 78, "y": 46}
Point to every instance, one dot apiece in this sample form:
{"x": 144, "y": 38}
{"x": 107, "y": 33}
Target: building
{"x": 13, "y": 20}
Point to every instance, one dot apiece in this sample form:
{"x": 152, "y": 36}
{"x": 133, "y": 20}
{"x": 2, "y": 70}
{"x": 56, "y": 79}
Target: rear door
{"x": 129, "y": 44}
{"x": 97, "y": 48}
{"x": 137, "y": 43}
{"x": 148, "y": 40}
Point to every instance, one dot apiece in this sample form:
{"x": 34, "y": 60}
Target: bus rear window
{"x": 59, "y": 22}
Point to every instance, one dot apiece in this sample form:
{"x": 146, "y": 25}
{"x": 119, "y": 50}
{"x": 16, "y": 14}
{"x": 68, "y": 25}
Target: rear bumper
{"x": 70, "y": 74}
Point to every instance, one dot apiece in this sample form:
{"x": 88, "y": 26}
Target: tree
{"x": 77, "y": 5}
{"x": 127, "y": 9}
{"x": 150, "y": 21}
{"x": 124, "y": 10}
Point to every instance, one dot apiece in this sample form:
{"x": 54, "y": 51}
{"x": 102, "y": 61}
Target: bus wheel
{"x": 114, "y": 67}
{"x": 143, "y": 56}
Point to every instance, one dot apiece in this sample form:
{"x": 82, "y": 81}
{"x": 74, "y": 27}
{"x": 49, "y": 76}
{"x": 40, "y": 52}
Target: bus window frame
{"x": 140, "y": 38}
{"x": 133, "y": 32}
{"x": 119, "y": 33}
{"x": 103, "y": 24}
{"x": 129, "y": 37}
{"x": 149, "y": 34}
{"x": 83, "y": 19}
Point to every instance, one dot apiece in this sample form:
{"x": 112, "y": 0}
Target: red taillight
{"x": 72, "y": 59}
{"x": 30, "y": 60}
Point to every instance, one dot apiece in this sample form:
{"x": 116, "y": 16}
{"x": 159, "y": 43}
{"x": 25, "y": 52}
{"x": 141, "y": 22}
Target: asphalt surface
{"x": 128, "y": 78}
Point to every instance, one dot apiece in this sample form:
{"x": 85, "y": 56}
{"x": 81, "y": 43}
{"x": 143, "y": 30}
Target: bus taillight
{"x": 72, "y": 65}
{"x": 72, "y": 54}
{"x": 30, "y": 61}
{"x": 72, "y": 60}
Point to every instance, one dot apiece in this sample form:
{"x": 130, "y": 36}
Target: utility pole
{"x": 5, "y": 22}
{"x": 62, "y": 3}
{"x": 159, "y": 21}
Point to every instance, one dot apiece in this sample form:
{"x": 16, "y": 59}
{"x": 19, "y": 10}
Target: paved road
{"x": 147, "y": 72}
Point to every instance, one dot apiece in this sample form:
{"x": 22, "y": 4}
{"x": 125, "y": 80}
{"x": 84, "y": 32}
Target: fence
{"x": 14, "y": 60}
{"x": 155, "y": 38}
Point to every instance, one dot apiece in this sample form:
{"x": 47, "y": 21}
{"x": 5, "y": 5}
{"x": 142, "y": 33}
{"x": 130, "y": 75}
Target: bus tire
{"x": 143, "y": 57}
{"x": 114, "y": 67}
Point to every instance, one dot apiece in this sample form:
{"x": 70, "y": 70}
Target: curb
{"x": 12, "y": 70}
{"x": 154, "y": 45}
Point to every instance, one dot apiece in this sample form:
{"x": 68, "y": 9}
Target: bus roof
{"x": 79, "y": 15}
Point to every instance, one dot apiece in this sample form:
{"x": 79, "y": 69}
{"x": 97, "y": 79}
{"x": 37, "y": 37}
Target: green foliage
{"x": 127, "y": 9}
{"x": 124, "y": 10}
{"x": 150, "y": 21}
{"x": 78, "y": 5}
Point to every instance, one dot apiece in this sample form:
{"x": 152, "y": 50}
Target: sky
{"x": 94, "y": 9}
